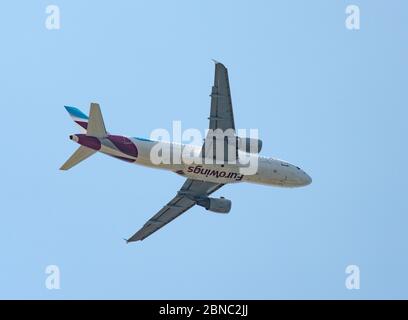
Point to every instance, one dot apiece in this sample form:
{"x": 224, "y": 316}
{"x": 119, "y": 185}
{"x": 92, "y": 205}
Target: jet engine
{"x": 220, "y": 205}
{"x": 249, "y": 145}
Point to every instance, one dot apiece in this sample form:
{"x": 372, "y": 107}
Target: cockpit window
{"x": 284, "y": 164}
{"x": 298, "y": 168}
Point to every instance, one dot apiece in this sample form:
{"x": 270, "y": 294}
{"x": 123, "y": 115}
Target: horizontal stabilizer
{"x": 96, "y": 126}
{"x": 79, "y": 155}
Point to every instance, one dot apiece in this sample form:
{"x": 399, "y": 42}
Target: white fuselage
{"x": 268, "y": 171}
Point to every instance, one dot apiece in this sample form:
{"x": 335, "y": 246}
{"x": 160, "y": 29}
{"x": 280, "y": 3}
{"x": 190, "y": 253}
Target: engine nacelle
{"x": 220, "y": 205}
{"x": 249, "y": 145}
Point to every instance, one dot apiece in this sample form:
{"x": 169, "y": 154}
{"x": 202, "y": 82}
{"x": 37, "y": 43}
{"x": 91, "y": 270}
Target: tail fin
{"x": 78, "y": 116}
{"x": 79, "y": 155}
{"x": 93, "y": 125}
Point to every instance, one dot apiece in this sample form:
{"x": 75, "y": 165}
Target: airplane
{"x": 202, "y": 179}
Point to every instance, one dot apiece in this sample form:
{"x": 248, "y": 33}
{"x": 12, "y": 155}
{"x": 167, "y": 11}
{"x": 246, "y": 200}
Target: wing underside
{"x": 221, "y": 116}
{"x": 185, "y": 199}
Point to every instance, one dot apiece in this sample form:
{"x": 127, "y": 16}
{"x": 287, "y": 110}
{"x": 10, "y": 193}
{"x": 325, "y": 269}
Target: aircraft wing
{"x": 185, "y": 199}
{"x": 221, "y": 113}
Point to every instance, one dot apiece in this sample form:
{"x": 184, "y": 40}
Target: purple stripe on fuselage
{"x": 124, "y": 145}
{"x": 90, "y": 142}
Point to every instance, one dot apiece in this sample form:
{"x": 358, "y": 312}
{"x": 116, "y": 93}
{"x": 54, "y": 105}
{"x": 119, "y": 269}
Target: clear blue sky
{"x": 331, "y": 100}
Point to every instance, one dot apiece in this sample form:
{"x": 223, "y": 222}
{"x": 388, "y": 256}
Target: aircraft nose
{"x": 306, "y": 180}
